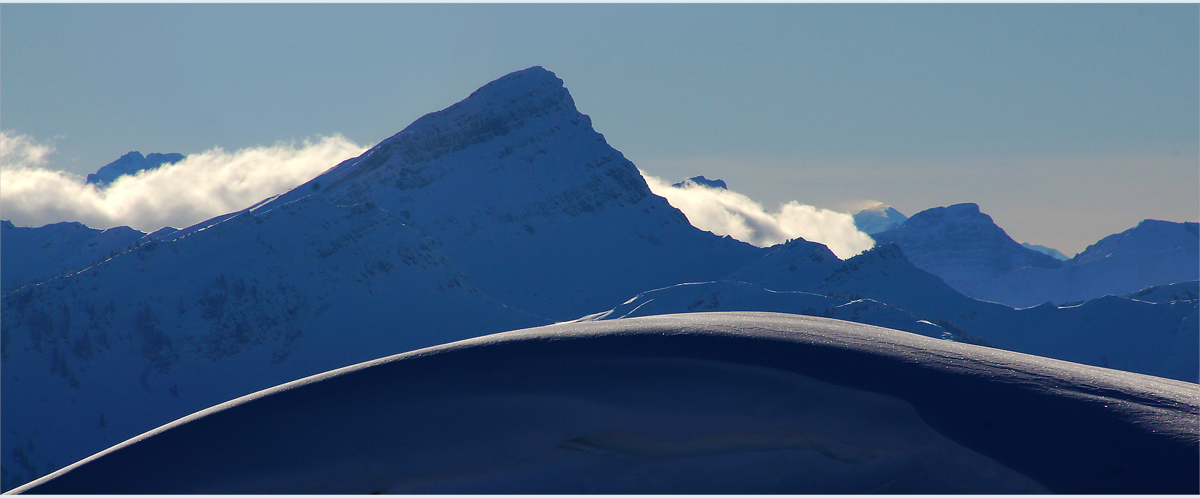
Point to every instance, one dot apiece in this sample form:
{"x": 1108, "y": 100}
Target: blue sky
{"x": 1066, "y": 123}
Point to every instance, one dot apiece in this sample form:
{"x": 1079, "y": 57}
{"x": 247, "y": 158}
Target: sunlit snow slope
{"x": 697, "y": 403}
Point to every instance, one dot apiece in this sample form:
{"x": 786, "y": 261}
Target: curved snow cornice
{"x": 705, "y": 402}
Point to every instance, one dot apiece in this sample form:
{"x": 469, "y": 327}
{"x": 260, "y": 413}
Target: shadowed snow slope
{"x": 33, "y": 255}
{"x": 706, "y": 402}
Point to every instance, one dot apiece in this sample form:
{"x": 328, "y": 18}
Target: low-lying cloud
{"x": 725, "y": 212}
{"x": 197, "y": 188}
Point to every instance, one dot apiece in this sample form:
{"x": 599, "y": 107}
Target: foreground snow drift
{"x": 704, "y": 402}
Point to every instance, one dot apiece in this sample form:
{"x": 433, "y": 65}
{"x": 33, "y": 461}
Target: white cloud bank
{"x": 725, "y": 212}
{"x": 197, "y": 188}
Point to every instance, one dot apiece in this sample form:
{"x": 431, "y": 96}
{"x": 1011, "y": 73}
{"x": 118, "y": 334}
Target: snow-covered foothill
{"x": 965, "y": 248}
{"x": 697, "y": 403}
{"x": 31, "y": 255}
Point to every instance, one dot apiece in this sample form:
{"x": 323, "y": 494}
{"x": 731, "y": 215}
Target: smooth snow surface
{"x": 698, "y": 403}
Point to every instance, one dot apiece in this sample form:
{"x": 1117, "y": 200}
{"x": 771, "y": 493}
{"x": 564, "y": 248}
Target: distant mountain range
{"x": 966, "y": 249}
{"x": 506, "y": 210}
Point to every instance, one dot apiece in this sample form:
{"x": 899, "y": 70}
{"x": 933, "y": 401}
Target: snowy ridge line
{"x": 501, "y": 413}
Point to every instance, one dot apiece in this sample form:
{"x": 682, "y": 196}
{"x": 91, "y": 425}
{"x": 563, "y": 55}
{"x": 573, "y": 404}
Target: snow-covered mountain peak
{"x": 516, "y": 170}
{"x": 520, "y": 134}
{"x": 961, "y": 244}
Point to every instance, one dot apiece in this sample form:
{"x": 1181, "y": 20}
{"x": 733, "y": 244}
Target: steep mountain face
{"x": 1152, "y": 253}
{"x": 130, "y": 164}
{"x": 33, "y": 255}
{"x": 961, "y": 245}
{"x": 530, "y": 201}
{"x": 503, "y": 211}
{"x": 878, "y": 218}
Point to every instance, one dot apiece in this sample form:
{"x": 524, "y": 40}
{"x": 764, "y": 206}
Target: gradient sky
{"x": 1066, "y": 123}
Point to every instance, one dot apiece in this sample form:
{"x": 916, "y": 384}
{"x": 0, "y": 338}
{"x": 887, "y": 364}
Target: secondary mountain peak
{"x": 961, "y": 244}
{"x": 129, "y": 164}
{"x": 878, "y": 218}
{"x": 701, "y": 180}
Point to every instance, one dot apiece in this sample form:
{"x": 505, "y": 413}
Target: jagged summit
{"x": 130, "y": 164}
{"x": 516, "y": 169}
{"x": 701, "y": 180}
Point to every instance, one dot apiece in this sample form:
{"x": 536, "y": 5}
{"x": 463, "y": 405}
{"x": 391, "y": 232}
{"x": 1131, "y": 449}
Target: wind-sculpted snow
{"x": 729, "y": 295}
{"x": 698, "y": 403}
